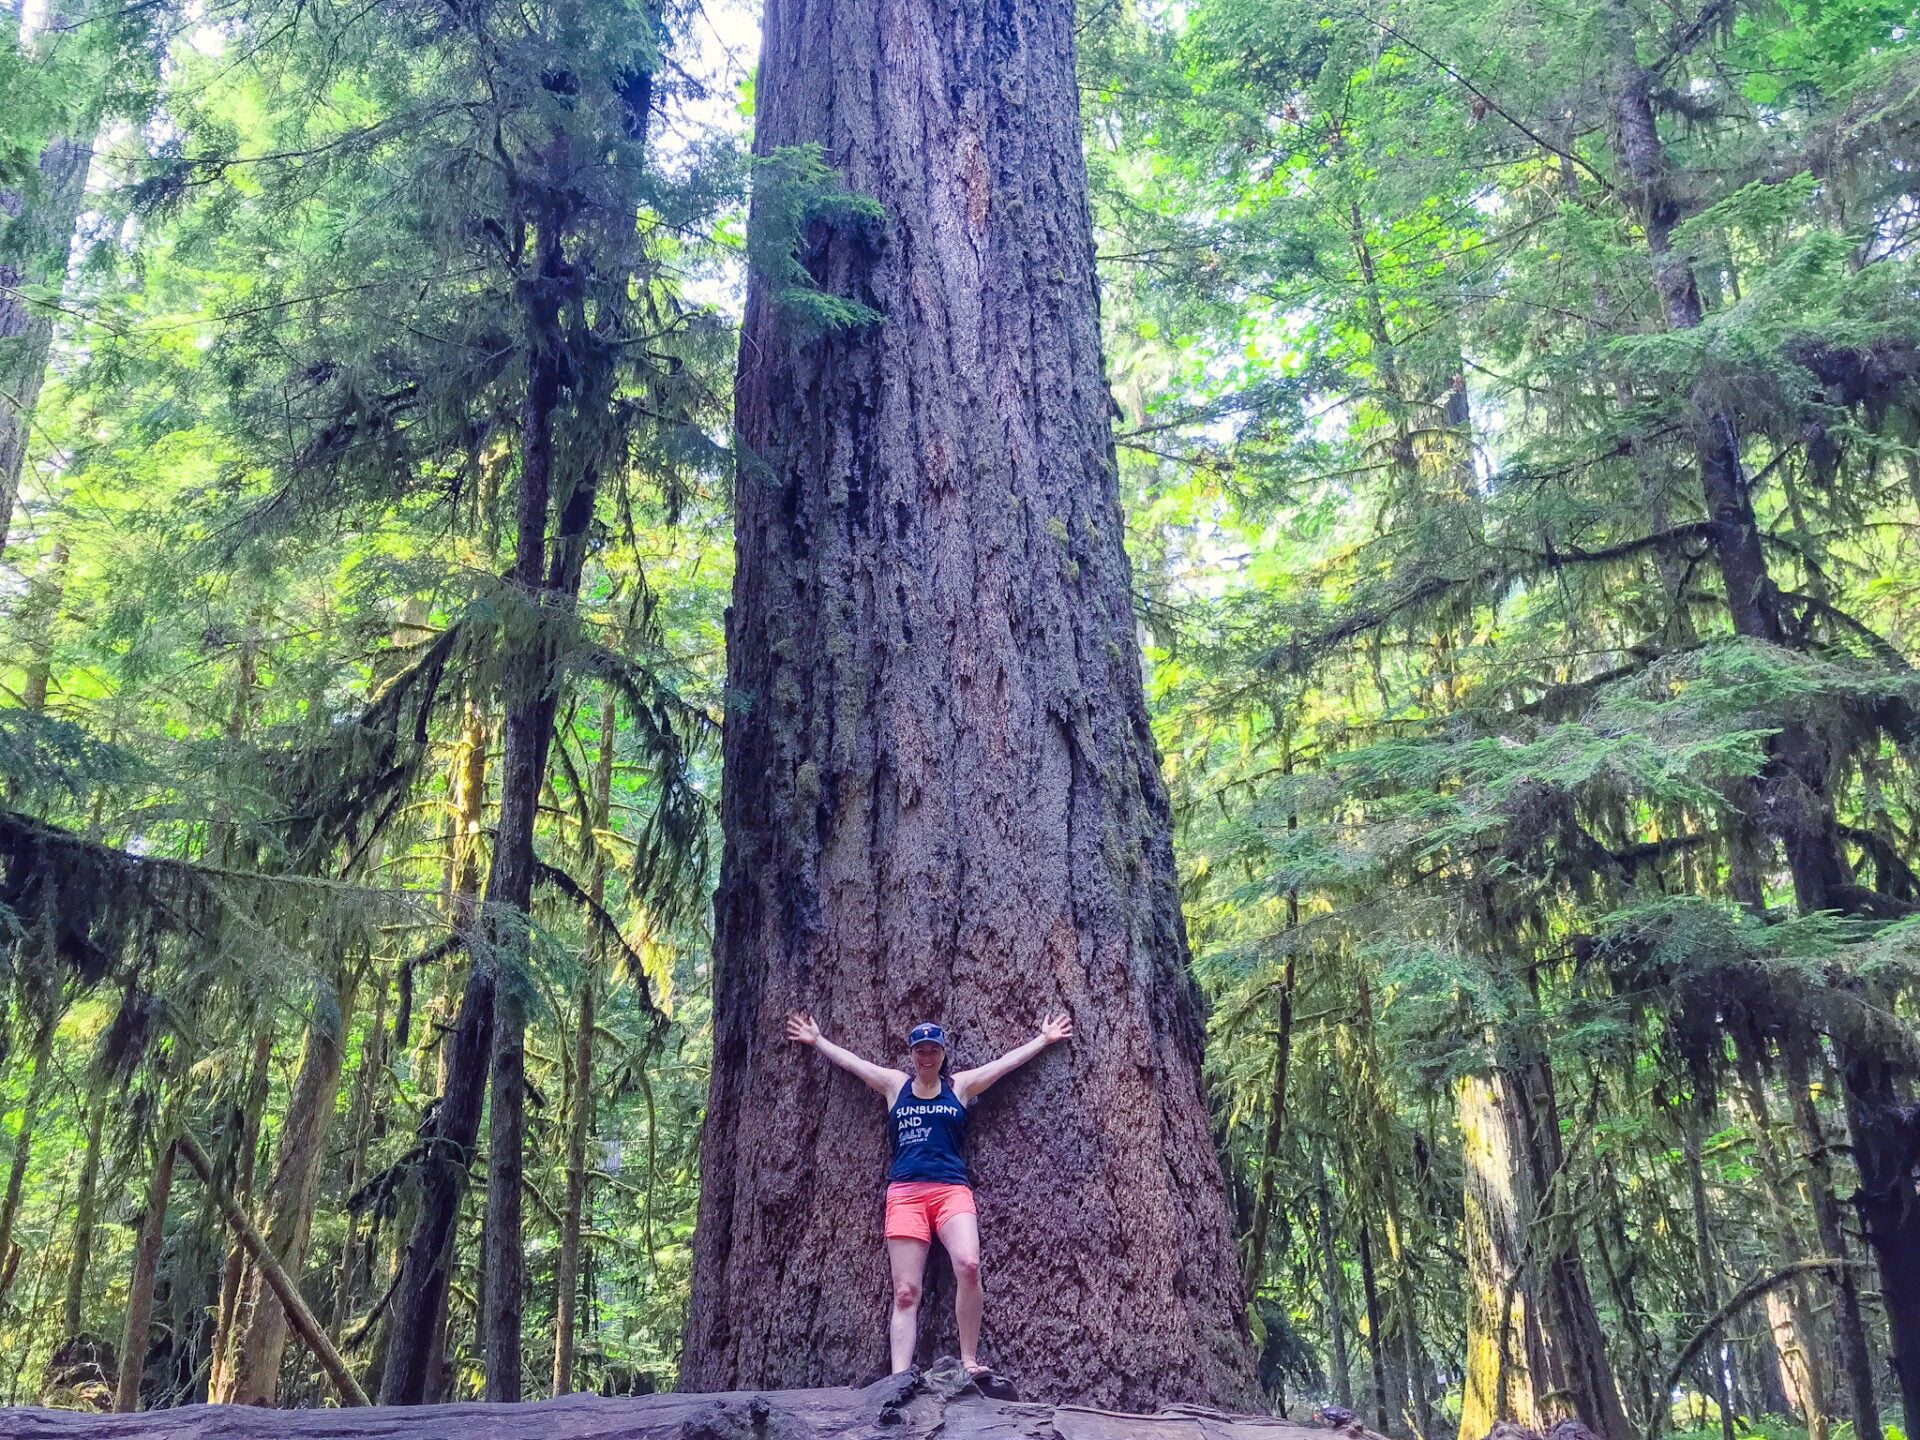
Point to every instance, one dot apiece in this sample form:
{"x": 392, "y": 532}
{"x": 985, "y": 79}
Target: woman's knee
{"x": 966, "y": 1269}
{"x": 906, "y": 1294}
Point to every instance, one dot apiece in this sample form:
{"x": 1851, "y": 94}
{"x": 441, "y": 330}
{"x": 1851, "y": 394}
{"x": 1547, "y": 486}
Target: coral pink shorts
{"x": 916, "y": 1209}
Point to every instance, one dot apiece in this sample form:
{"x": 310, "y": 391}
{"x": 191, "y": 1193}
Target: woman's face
{"x": 927, "y": 1057}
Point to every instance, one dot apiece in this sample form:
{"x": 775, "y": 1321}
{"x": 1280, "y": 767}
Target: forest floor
{"x": 943, "y": 1405}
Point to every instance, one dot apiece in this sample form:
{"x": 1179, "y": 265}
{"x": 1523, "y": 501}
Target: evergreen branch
{"x": 192, "y": 170}
{"x": 609, "y": 929}
{"x": 1743, "y": 1297}
{"x": 1682, "y": 41}
{"x": 1495, "y": 106}
{"x": 1881, "y": 648}
{"x": 1489, "y": 578}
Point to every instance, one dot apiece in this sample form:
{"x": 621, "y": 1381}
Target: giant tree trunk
{"x": 252, "y": 1372}
{"x": 942, "y": 798}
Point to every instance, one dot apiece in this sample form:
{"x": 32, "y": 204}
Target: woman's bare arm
{"x": 806, "y": 1030}
{"x": 969, "y": 1084}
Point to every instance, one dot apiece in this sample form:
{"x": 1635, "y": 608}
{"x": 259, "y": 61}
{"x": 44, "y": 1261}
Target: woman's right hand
{"x": 802, "y": 1027}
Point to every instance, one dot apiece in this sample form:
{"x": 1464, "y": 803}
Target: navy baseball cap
{"x": 927, "y": 1034}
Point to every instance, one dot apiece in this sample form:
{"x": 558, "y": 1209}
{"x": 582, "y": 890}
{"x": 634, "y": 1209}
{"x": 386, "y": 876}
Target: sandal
{"x": 990, "y": 1383}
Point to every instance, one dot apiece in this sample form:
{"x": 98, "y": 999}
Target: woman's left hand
{"x": 1056, "y": 1028}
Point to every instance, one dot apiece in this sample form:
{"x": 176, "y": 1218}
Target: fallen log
{"x": 944, "y": 1405}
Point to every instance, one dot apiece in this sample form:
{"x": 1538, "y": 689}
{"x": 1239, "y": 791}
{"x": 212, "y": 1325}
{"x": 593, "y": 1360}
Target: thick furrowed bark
{"x": 942, "y": 797}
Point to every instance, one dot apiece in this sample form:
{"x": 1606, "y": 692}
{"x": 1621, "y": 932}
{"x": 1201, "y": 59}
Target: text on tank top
{"x": 928, "y": 1137}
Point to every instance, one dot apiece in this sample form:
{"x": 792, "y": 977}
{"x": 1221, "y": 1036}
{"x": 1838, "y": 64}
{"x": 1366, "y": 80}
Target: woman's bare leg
{"x": 961, "y": 1235}
{"x": 909, "y": 1261}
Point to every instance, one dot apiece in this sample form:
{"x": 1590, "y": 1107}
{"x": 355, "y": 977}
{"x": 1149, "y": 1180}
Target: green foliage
{"x": 1480, "y": 791}
{"x": 798, "y": 202}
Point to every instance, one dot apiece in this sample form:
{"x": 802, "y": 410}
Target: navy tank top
{"x": 928, "y": 1137}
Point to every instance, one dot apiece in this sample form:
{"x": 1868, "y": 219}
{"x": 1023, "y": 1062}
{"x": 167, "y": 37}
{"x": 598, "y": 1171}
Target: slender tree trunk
{"x": 286, "y": 1291}
{"x": 360, "y": 1125}
{"x": 469, "y": 785}
{"x": 1856, "y": 1360}
{"x": 1333, "y": 1295}
{"x": 146, "y": 1265}
{"x": 85, "y": 1215}
{"x": 1796, "y": 1338}
{"x": 1269, "y": 1176}
{"x": 523, "y": 770}
{"x": 37, "y": 618}
{"x": 1410, "y": 1352}
{"x": 1383, "y": 1414}
{"x": 1692, "y": 1123}
{"x": 1496, "y": 1384}
{"x": 941, "y": 794}
{"x": 580, "y": 1122}
{"x": 487, "y": 1048}
{"x": 260, "y": 1321}
{"x": 245, "y": 1159}
{"x": 33, "y": 266}
{"x": 1265, "y": 1200}
{"x": 1414, "y": 1360}
{"x": 1571, "y": 1371}
{"x": 1795, "y": 784}
{"x": 567, "y": 1268}
{"x": 1794, "y": 787}
{"x": 1613, "y": 1247}
{"x": 23, "y": 1142}
{"x": 1886, "y": 1148}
